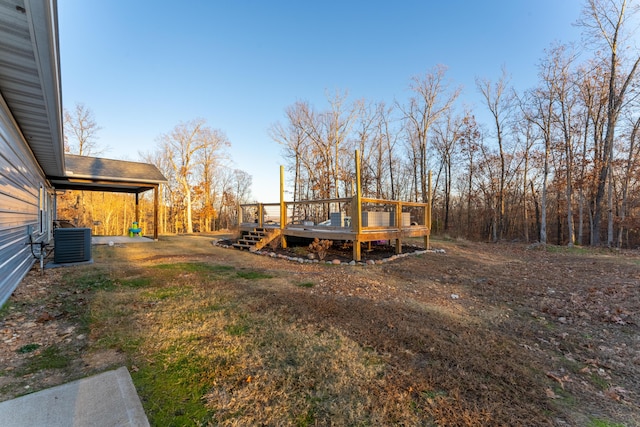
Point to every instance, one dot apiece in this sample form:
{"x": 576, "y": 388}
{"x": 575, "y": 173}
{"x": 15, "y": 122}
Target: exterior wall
{"x": 26, "y": 204}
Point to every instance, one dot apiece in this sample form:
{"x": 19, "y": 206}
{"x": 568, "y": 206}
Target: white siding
{"x": 20, "y": 180}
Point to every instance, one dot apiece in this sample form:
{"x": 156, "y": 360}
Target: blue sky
{"x": 142, "y": 67}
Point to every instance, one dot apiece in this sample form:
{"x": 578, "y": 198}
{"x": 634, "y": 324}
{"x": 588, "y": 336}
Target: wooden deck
{"x": 354, "y": 219}
{"x": 322, "y": 232}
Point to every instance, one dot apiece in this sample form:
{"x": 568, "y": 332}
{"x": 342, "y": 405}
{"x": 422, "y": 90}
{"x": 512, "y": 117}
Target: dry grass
{"x": 222, "y": 337}
{"x": 203, "y": 353}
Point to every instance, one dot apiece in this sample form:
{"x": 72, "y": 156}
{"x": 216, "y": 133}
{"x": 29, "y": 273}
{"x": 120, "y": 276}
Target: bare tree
{"x": 388, "y": 136}
{"x": 318, "y": 147}
{"x": 167, "y": 191}
{"x": 242, "y": 181}
{"x": 81, "y": 138}
{"x": 81, "y": 132}
{"x": 540, "y": 113}
{"x": 208, "y": 161}
{"x": 234, "y": 188}
{"x": 593, "y": 103}
{"x": 432, "y": 99}
{"x": 448, "y": 133}
{"x": 527, "y": 136}
{"x": 470, "y": 145}
{"x": 381, "y": 158}
{"x": 183, "y": 145}
{"x": 499, "y": 100}
{"x": 293, "y": 137}
{"x": 318, "y": 156}
{"x": 565, "y": 96}
{"x": 605, "y": 22}
{"x": 631, "y": 168}
{"x": 339, "y": 122}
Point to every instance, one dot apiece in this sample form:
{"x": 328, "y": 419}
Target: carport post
{"x": 155, "y": 212}
{"x": 137, "y": 208}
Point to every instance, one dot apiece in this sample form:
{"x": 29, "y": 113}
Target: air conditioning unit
{"x": 72, "y": 245}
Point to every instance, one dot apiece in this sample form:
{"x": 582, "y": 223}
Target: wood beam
{"x": 358, "y": 211}
{"x": 155, "y": 212}
{"x": 138, "y": 208}
{"x": 283, "y": 210}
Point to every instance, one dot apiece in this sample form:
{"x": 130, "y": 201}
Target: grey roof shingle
{"x": 100, "y": 174}
{"x": 116, "y": 170}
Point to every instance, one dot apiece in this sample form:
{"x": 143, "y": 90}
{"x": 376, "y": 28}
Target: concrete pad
{"x": 111, "y": 240}
{"x": 104, "y": 400}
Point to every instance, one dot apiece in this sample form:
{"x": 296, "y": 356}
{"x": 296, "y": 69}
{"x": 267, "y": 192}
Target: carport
{"x": 86, "y": 173}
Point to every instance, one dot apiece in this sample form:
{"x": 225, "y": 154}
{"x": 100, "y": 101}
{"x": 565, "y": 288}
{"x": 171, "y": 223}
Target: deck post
{"x": 399, "y": 226}
{"x": 358, "y": 211}
{"x": 427, "y": 214}
{"x": 283, "y": 210}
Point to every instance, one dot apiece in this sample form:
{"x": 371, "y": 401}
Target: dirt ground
{"x": 547, "y": 336}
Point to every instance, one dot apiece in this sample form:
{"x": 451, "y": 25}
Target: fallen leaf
{"x": 559, "y": 379}
{"x": 45, "y": 317}
{"x": 551, "y": 394}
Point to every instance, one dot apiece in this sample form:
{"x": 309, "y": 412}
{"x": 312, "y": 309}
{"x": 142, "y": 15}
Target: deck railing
{"x": 339, "y": 212}
{"x": 356, "y": 218}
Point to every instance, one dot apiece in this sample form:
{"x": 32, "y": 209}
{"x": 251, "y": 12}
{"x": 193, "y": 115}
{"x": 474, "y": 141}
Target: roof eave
{"x": 72, "y": 176}
{"x": 43, "y": 21}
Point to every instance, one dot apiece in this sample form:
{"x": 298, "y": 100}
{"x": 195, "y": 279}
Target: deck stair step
{"x": 257, "y": 239}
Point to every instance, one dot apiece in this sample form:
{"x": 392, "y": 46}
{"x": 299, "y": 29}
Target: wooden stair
{"x": 257, "y": 239}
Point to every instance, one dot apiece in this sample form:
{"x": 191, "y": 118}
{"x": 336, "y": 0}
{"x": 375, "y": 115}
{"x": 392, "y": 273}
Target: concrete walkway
{"x": 108, "y": 399}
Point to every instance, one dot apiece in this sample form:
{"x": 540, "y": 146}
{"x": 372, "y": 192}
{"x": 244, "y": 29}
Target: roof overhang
{"x": 31, "y": 89}
{"x": 100, "y": 174}
{"x": 110, "y": 186}
{"x": 30, "y": 77}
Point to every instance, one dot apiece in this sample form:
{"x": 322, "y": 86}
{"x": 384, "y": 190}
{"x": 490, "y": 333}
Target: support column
{"x": 399, "y": 226}
{"x": 427, "y": 214}
{"x": 357, "y": 212}
{"x": 137, "y": 216}
{"x": 283, "y": 210}
{"x": 155, "y": 212}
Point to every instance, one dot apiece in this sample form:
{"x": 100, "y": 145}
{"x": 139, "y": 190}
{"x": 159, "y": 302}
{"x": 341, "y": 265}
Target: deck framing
{"x": 345, "y": 234}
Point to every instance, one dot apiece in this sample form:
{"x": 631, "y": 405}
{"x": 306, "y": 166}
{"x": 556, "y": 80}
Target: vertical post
{"x": 399, "y": 227}
{"x": 427, "y": 219}
{"x": 137, "y": 208}
{"x": 163, "y": 213}
{"x": 283, "y": 210}
{"x": 260, "y": 215}
{"x": 155, "y": 212}
{"x": 357, "y": 212}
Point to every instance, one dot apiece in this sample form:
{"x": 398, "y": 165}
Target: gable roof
{"x": 99, "y": 174}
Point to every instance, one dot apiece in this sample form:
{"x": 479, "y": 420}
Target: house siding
{"x": 21, "y": 180}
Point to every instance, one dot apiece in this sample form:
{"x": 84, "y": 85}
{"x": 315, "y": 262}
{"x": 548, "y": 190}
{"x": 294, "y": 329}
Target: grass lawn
{"x": 482, "y": 335}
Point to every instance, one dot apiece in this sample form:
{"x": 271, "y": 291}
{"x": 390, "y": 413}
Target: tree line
{"x": 558, "y": 162}
{"x": 201, "y": 195}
